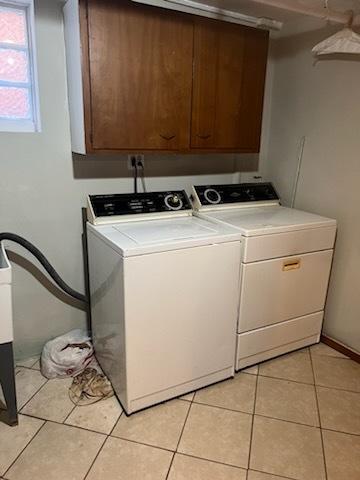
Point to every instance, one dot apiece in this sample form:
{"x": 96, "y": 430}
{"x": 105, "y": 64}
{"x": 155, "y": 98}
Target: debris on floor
{"x": 72, "y": 355}
{"x": 89, "y": 387}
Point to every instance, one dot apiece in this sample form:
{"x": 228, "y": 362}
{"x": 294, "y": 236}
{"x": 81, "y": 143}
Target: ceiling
{"x": 288, "y": 10}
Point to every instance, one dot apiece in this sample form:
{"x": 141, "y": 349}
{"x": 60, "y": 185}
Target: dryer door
{"x": 276, "y": 290}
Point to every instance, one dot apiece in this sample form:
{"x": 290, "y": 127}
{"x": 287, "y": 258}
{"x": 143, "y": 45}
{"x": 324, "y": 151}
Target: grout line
{"x": 340, "y": 431}
{"x": 313, "y": 384}
{"x": 68, "y": 415}
{"x": 268, "y": 473}
{"x": 206, "y": 459}
{"x": 287, "y": 421}
{"x": 142, "y": 443}
{"x": 223, "y": 408}
{"x": 96, "y": 457}
{"x": 117, "y": 421}
{"x": 28, "y": 401}
{"x": 252, "y": 422}
{"x": 171, "y": 462}
{"x": 26, "y": 446}
{"x": 319, "y": 418}
{"x": 180, "y": 436}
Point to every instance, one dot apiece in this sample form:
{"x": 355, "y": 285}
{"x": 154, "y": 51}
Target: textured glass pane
{"x": 14, "y": 103}
{"x": 13, "y": 65}
{"x": 12, "y": 26}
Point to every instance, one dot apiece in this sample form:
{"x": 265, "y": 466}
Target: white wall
{"x": 41, "y": 198}
{"x": 322, "y": 102}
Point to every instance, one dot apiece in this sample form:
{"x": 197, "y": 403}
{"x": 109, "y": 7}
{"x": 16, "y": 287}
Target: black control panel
{"x": 235, "y": 193}
{"x": 135, "y": 203}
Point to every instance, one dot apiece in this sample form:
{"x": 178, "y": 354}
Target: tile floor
{"x": 296, "y": 417}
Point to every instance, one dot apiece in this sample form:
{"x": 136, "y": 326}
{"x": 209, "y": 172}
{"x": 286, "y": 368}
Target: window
{"x": 19, "y": 111}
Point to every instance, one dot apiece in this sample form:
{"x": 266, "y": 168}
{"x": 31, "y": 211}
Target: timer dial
{"x": 212, "y": 196}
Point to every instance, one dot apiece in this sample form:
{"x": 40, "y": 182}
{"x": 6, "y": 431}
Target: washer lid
{"x": 135, "y": 238}
{"x": 253, "y": 221}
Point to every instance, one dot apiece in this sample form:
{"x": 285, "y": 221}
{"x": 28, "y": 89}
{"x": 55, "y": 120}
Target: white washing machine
{"x": 162, "y": 322}
{"x": 286, "y": 258}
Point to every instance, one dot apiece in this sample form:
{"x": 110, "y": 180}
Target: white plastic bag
{"x": 67, "y": 355}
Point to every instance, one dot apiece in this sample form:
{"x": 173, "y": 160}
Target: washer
{"x": 286, "y": 258}
{"x": 162, "y": 322}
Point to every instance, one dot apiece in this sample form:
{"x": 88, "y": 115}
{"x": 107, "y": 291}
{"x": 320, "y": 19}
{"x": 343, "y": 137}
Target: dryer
{"x": 286, "y": 258}
{"x": 162, "y": 322}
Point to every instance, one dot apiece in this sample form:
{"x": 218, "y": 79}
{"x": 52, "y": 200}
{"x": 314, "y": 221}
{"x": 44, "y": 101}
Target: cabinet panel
{"x": 140, "y": 62}
{"x": 228, "y": 84}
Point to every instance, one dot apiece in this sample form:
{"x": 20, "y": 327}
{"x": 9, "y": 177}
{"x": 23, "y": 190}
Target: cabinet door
{"x": 140, "y": 61}
{"x": 228, "y": 86}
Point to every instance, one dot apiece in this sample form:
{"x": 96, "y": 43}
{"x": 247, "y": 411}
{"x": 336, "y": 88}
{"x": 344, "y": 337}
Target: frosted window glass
{"x": 13, "y": 26}
{"x": 13, "y": 66}
{"x": 15, "y": 103}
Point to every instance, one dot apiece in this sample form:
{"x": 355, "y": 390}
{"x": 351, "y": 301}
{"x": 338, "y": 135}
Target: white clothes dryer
{"x": 286, "y": 258}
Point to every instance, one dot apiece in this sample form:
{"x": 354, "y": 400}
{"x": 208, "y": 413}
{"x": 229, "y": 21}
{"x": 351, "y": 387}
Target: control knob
{"x": 173, "y": 202}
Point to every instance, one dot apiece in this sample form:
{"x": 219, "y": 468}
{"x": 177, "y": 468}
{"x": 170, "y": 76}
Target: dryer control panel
{"x": 218, "y": 196}
{"x": 111, "y": 208}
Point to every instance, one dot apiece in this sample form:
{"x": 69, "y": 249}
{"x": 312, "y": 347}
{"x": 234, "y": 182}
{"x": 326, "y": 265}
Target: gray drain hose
{"x": 45, "y": 263}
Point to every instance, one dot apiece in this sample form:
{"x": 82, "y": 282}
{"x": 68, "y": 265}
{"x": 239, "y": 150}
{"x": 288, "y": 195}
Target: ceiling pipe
{"x": 319, "y": 12}
{"x": 202, "y": 9}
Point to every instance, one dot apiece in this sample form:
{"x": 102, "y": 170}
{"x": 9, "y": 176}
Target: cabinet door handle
{"x": 167, "y": 137}
{"x": 204, "y": 137}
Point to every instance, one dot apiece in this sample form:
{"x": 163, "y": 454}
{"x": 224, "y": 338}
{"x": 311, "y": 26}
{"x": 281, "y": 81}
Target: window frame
{"x": 33, "y": 124}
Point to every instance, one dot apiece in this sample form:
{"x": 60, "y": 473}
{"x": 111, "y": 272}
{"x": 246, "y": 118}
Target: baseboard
{"x": 340, "y": 348}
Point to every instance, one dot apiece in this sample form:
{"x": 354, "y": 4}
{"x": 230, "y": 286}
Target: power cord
{"x": 134, "y": 165}
{"x": 140, "y": 165}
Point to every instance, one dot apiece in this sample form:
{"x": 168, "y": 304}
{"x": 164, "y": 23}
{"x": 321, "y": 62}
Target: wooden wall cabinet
{"x": 146, "y": 79}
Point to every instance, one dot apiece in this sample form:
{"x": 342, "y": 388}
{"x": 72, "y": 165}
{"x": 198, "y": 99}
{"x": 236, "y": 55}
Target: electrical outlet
{"x": 130, "y": 161}
{"x": 135, "y": 157}
{"x": 140, "y": 160}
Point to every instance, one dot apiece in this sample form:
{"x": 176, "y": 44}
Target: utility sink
{"x": 6, "y": 322}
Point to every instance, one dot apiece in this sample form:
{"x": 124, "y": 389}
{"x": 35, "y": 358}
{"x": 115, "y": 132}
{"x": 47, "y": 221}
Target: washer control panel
{"x": 116, "y": 205}
{"x": 212, "y": 195}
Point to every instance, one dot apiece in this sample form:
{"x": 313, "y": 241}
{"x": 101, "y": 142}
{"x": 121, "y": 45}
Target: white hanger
{"x": 345, "y": 41}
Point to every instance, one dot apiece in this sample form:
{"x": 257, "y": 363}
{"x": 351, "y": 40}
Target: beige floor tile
{"x": 325, "y": 350}
{"x": 36, "y": 365}
{"x": 28, "y": 383}
{"x": 122, "y": 460}
{"x": 262, "y": 476}
{"x": 254, "y": 370}
{"x": 159, "y": 426}
{"x": 99, "y": 417}
{"x": 293, "y": 366}
{"x": 29, "y": 362}
{"x": 217, "y": 434}
{"x": 52, "y": 401}
{"x": 286, "y": 400}
{"x": 237, "y": 393}
{"x": 287, "y": 449}
{"x": 189, "y": 397}
{"x": 186, "y": 468}
{"x": 58, "y": 452}
{"x": 336, "y": 373}
{"x": 339, "y": 410}
{"x": 14, "y": 439}
{"x": 342, "y": 454}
